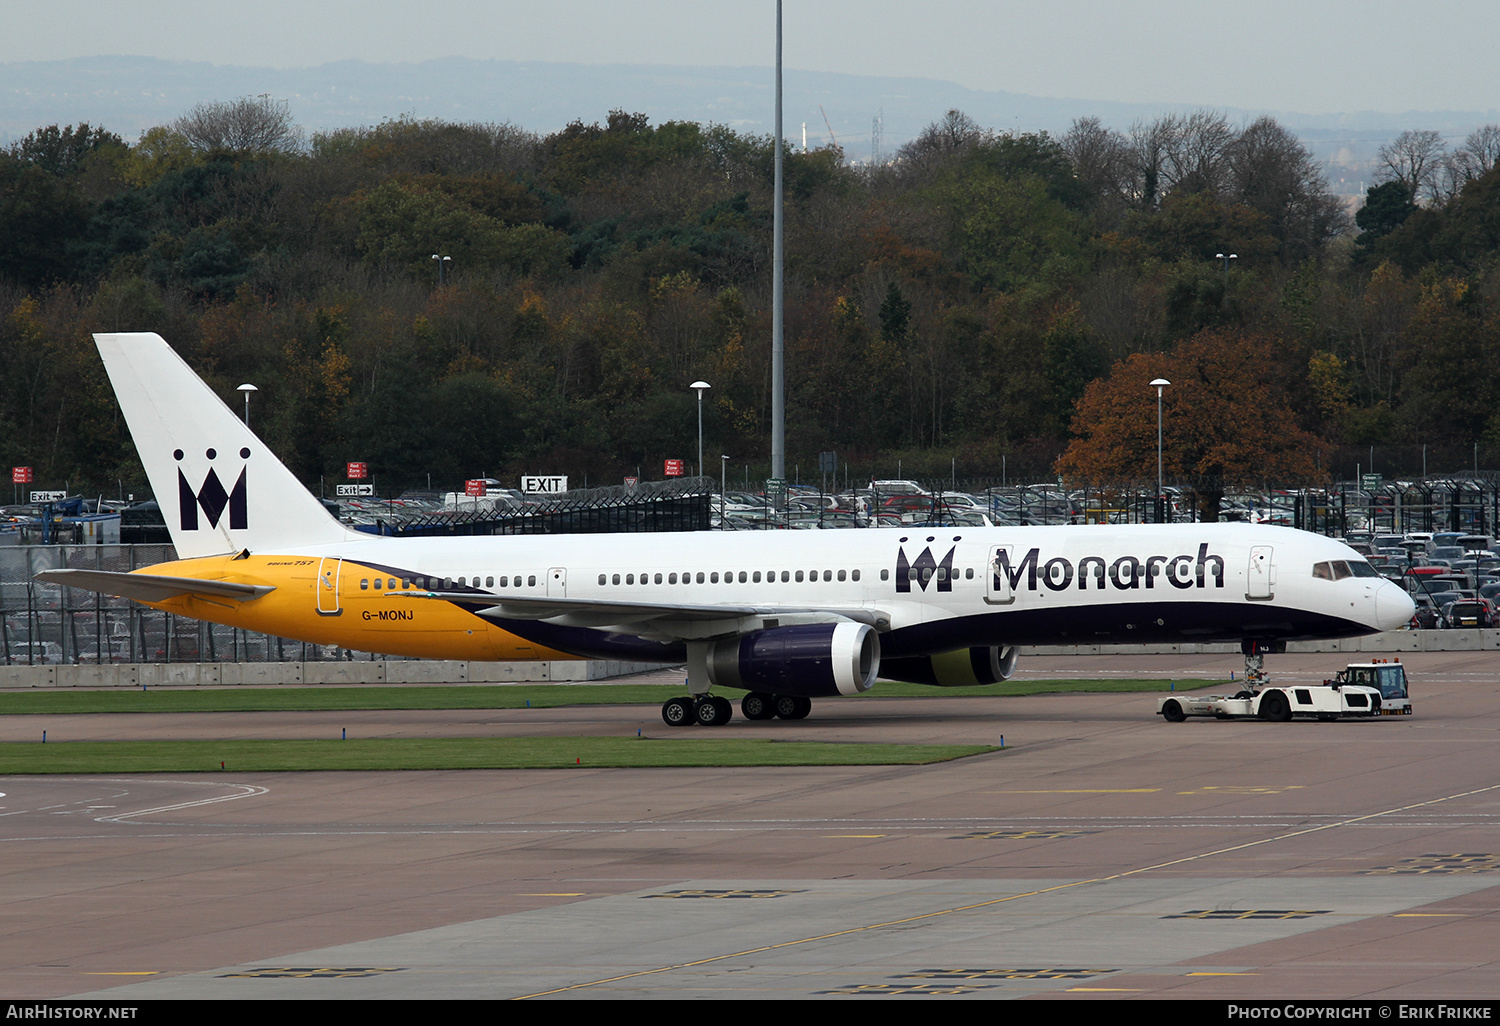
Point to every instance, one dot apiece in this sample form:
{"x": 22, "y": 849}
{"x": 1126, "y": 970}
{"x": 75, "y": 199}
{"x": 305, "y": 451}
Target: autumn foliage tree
{"x": 1227, "y": 420}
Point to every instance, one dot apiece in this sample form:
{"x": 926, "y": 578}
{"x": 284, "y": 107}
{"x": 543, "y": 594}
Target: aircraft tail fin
{"x": 220, "y": 488}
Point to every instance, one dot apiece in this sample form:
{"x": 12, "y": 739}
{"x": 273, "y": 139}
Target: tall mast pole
{"x": 778, "y": 348}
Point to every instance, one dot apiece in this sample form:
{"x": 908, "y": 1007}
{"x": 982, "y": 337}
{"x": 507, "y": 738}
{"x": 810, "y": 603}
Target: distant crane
{"x": 831, "y": 137}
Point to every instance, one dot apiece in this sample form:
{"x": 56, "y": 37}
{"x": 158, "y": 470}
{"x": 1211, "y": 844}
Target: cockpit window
{"x": 1338, "y": 569}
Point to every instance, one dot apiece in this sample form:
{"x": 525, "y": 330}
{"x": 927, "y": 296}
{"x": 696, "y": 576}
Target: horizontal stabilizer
{"x": 151, "y": 587}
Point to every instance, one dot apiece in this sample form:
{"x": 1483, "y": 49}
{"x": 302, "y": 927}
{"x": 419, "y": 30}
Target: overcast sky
{"x": 1312, "y": 56}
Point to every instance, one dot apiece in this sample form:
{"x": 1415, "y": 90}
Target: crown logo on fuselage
{"x": 923, "y": 570}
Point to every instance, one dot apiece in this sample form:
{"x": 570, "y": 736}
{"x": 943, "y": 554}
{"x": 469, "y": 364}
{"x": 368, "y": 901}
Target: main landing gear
{"x": 713, "y": 711}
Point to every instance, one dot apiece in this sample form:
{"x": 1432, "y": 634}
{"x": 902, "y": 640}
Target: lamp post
{"x": 723, "y": 486}
{"x": 700, "y": 387}
{"x": 442, "y": 262}
{"x": 1226, "y": 257}
{"x": 1159, "y": 384}
{"x": 247, "y": 388}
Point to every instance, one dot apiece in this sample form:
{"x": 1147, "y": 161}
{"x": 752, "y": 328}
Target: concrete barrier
{"x": 1462, "y": 640}
{"x": 377, "y": 671}
{"x": 435, "y": 671}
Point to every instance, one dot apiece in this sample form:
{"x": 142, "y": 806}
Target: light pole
{"x": 1226, "y": 257}
{"x": 247, "y": 388}
{"x": 723, "y": 486}
{"x": 700, "y": 387}
{"x": 1159, "y": 384}
{"x": 442, "y": 262}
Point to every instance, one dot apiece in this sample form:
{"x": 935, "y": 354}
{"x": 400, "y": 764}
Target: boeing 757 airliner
{"x": 786, "y": 616}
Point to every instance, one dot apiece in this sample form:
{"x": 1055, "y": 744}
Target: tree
{"x": 1386, "y": 208}
{"x": 1413, "y": 159}
{"x": 1101, "y": 159}
{"x": 62, "y": 151}
{"x": 1272, "y": 172}
{"x": 257, "y": 124}
{"x": 1227, "y": 419}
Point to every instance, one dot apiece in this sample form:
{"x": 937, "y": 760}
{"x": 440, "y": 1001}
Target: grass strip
{"x": 242, "y": 756}
{"x": 478, "y": 696}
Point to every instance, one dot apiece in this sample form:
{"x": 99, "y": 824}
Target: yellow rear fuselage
{"x": 339, "y": 612}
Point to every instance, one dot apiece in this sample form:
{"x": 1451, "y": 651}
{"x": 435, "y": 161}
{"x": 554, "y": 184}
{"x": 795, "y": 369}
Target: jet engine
{"x": 808, "y": 660}
{"x": 965, "y": 667}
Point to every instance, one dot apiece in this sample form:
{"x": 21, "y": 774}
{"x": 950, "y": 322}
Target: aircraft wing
{"x": 595, "y": 613}
{"x": 151, "y": 587}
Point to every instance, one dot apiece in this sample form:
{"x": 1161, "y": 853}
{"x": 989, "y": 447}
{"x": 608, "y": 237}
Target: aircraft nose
{"x": 1393, "y": 607}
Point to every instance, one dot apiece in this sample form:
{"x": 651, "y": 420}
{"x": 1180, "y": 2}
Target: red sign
{"x": 674, "y": 468}
{"x": 475, "y": 488}
{"x": 358, "y": 471}
{"x": 20, "y": 475}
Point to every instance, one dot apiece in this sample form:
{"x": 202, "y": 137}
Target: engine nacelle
{"x": 808, "y": 660}
{"x": 963, "y": 668}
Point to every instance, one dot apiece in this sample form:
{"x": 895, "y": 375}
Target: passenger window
{"x": 630, "y": 578}
{"x": 713, "y": 578}
{"x": 799, "y": 576}
{"x": 755, "y": 578}
{"x": 602, "y": 579}
{"x": 885, "y": 575}
{"x": 489, "y": 582}
{"x": 742, "y": 577}
{"x": 364, "y": 584}
{"x": 700, "y": 576}
{"x": 671, "y": 579}
{"x": 828, "y": 575}
{"x": 841, "y": 575}
{"x": 658, "y": 578}
{"x": 854, "y": 575}
{"x": 785, "y": 576}
{"x": 531, "y": 581}
{"x": 615, "y": 579}
{"x": 377, "y": 584}
{"x": 968, "y": 573}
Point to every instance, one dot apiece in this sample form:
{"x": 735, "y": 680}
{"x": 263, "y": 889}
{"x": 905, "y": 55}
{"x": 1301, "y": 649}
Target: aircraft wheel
{"x": 757, "y": 705}
{"x": 793, "y": 707}
{"x": 677, "y": 712}
{"x": 713, "y": 711}
{"x": 1172, "y": 712}
{"x": 1275, "y": 707}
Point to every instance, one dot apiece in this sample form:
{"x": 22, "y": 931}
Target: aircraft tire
{"x": 758, "y": 705}
{"x": 712, "y": 711}
{"x": 678, "y": 712}
{"x": 785, "y": 706}
{"x": 1275, "y": 707}
{"x": 800, "y": 708}
{"x": 1172, "y": 712}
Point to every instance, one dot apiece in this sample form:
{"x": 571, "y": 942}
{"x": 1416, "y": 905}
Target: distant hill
{"x": 130, "y": 94}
